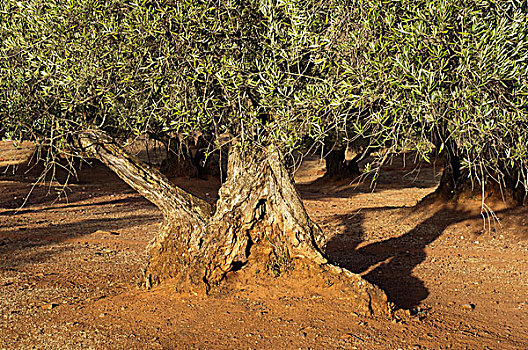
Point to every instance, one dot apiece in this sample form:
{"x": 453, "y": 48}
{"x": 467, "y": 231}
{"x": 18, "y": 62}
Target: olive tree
{"x": 448, "y": 78}
{"x": 259, "y": 76}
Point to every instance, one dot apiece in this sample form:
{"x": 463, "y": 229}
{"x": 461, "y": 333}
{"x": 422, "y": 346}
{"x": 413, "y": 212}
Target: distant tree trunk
{"x": 455, "y": 183}
{"x": 451, "y": 178}
{"x": 178, "y": 165}
{"x": 182, "y": 160}
{"x": 338, "y": 167}
{"x": 192, "y": 162}
{"x": 216, "y": 164}
{"x": 258, "y": 221}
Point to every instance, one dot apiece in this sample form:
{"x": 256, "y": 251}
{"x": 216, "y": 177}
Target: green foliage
{"x": 444, "y": 76}
{"x": 257, "y": 70}
{"x": 430, "y": 75}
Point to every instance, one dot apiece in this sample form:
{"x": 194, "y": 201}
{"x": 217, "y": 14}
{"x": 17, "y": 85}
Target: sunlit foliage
{"x": 444, "y": 76}
{"x": 256, "y": 70}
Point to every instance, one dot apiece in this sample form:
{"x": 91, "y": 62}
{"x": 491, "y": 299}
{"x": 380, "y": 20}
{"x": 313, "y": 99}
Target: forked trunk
{"x": 259, "y": 219}
{"x": 259, "y": 222}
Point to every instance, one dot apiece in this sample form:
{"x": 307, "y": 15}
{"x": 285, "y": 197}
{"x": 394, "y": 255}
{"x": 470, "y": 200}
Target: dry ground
{"x": 68, "y": 272}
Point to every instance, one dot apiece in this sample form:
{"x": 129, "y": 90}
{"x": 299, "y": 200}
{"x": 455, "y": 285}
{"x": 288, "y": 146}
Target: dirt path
{"x": 68, "y": 270}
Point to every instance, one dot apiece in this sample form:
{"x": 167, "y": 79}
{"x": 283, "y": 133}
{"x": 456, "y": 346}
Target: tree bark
{"x": 259, "y": 222}
{"x": 148, "y": 181}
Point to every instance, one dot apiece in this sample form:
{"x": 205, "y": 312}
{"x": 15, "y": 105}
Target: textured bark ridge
{"x": 148, "y": 181}
{"x": 259, "y": 222}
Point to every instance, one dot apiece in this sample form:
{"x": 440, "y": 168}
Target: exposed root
{"x": 365, "y": 298}
{"x": 304, "y": 278}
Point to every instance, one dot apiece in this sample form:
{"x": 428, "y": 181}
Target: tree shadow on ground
{"x": 25, "y": 247}
{"x": 70, "y": 205}
{"x": 34, "y": 218}
{"x": 26, "y": 233}
{"x": 390, "y": 263}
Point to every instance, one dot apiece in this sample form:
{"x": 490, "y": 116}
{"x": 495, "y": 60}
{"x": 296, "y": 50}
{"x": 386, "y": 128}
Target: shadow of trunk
{"x": 390, "y": 263}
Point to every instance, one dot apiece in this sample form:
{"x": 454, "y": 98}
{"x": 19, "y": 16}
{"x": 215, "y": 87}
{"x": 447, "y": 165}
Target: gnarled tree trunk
{"x": 259, "y": 221}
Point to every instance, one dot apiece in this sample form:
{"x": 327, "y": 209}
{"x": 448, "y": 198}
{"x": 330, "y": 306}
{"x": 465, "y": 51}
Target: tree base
{"x": 304, "y": 279}
{"x": 364, "y": 297}
{"x": 259, "y": 223}
{"x": 462, "y": 189}
{"x": 259, "y": 227}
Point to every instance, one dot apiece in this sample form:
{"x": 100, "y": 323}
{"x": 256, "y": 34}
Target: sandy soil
{"x": 69, "y": 267}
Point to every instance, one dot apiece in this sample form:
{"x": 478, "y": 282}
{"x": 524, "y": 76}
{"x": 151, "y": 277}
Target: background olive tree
{"x": 444, "y": 77}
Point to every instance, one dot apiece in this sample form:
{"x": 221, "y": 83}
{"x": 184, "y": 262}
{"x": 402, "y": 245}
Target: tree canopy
{"x": 253, "y": 69}
{"x": 445, "y": 77}
{"x": 448, "y": 77}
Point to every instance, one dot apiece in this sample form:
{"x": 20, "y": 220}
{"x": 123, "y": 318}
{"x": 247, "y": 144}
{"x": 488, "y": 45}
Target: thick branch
{"x": 149, "y": 182}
